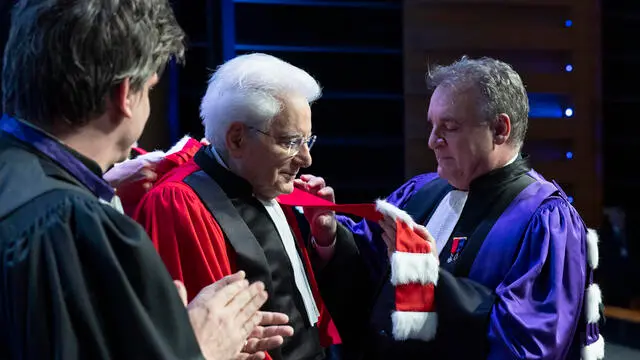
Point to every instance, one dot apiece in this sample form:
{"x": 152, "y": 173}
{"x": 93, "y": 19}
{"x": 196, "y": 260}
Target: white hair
{"x": 246, "y": 89}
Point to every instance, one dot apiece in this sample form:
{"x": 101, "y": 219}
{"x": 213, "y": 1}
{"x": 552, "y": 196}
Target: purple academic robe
{"x": 534, "y": 278}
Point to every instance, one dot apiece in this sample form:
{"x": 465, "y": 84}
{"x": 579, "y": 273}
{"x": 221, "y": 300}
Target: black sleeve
{"x": 346, "y": 292}
{"x": 85, "y": 282}
{"x": 463, "y": 308}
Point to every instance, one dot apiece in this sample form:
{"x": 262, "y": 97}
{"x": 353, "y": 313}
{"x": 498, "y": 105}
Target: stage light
{"x": 568, "y": 68}
{"x": 570, "y": 199}
{"x": 568, "y": 23}
{"x": 568, "y": 112}
{"x": 569, "y": 155}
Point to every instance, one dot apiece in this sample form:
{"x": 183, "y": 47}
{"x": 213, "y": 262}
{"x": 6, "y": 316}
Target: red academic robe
{"x": 192, "y": 244}
{"x": 130, "y": 194}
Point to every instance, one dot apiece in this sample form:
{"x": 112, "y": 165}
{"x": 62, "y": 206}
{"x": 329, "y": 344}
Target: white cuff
{"x": 325, "y": 252}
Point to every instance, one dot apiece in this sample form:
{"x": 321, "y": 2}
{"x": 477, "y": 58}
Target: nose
{"x": 304, "y": 156}
{"x": 435, "y": 141}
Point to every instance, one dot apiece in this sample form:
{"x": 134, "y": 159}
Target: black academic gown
{"x": 268, "y": 260}
{"x": 78, "y": 279}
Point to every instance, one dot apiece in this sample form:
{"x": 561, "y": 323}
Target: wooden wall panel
{"x": 531, "y": 35}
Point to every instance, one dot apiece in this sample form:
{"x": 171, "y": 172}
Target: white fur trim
{"x": 157, "y": 155}
{"x": 152, "y": 157}
{"x": 392, "y": 211}
{"x": 593, "y": 351}
{"x": 593, "y": 256}
{"x": 409, "y": 268}
{"x": 179, "y": 145}
{"x": 593, "y": 301}
{"x": 414, "y": 325}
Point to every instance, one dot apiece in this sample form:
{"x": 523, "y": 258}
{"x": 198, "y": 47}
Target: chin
{"x": 286, "y": 188}
{"x": 442, "y": 172}
{"x": 446, "y": 174}
{"x": 123, "y": 157}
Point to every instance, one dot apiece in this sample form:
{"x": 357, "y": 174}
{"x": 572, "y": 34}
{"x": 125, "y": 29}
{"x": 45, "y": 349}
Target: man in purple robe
{"x": 516, "y": 259}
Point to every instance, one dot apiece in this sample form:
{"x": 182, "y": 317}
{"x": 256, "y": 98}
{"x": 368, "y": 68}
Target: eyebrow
{"x": 291, "y": 136}
{"x": 447, "y": 120}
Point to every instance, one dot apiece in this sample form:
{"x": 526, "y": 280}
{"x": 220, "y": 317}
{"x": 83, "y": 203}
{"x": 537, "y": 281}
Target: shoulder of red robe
{"x": 157, "y": 155}
{"x": 593, "y": 347}
{"x": 414, "y": 274}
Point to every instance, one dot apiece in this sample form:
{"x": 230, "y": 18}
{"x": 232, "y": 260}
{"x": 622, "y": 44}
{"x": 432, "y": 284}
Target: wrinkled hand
{"x": 323, "y": 222}
{"x": 224, "y": 314}
{"x": 130, "y": 171}
{"x": 269, "y": 334}
{"x": 388, "y": 226}
{"x": 182, "y": 291}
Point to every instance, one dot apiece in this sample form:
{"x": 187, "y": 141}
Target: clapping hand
{"x": 269, "y": 334}
{"x": 227, "y": 323}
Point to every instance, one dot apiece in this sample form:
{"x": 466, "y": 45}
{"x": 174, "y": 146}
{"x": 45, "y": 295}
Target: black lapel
{"x": 244, "y": 243}
{"x": 502, "y": 201}
{"x": 422, "y": 204}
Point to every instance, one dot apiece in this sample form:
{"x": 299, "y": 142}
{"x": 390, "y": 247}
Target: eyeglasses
{"x": 292, "y": 145}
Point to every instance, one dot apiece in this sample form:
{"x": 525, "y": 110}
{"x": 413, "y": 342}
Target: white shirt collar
{"x": 218, "y": 158}
{"x": 515, "y": 157}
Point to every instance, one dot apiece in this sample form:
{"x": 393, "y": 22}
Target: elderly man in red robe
{"x": 214, "y": 210}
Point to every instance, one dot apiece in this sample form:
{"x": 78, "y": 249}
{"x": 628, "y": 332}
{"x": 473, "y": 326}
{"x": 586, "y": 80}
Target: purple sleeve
{"x": 367, "y": 234}
{"x": 538, "y": 304}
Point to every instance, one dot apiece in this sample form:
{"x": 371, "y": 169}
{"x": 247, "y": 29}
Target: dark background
{"x": 354, "y": 50}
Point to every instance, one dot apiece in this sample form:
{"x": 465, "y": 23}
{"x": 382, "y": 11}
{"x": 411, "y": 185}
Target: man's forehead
{"x": 443, "y": 107}
{"x": 292, "y": 121}
{"x": 450, "y": 102}
{"x": 289, "y": 129}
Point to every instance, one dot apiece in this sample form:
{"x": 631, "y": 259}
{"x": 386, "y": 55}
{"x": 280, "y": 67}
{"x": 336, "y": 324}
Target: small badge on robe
{"x": 456, "y": 248}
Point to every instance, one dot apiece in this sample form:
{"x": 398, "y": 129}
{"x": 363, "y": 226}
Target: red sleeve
{"x": 188, "y": 239}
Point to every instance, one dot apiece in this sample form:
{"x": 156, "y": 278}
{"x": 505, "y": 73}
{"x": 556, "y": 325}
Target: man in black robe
{"x": 78, "y": 279}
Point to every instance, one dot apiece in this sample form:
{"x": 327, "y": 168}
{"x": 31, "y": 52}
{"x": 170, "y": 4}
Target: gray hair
{"x": 248, "y": 89}
{"x": 63, "y": 58}
{"x": 500, "y": 87}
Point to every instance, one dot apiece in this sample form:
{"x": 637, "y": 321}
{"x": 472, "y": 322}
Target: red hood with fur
{"x": 130, "y": 194}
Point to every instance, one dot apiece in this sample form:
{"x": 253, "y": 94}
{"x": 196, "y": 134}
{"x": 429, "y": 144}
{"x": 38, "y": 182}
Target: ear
{"x": 501, "y": 129}
{"x": 121, "y": 98}
{"x": 236, "y": 139}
